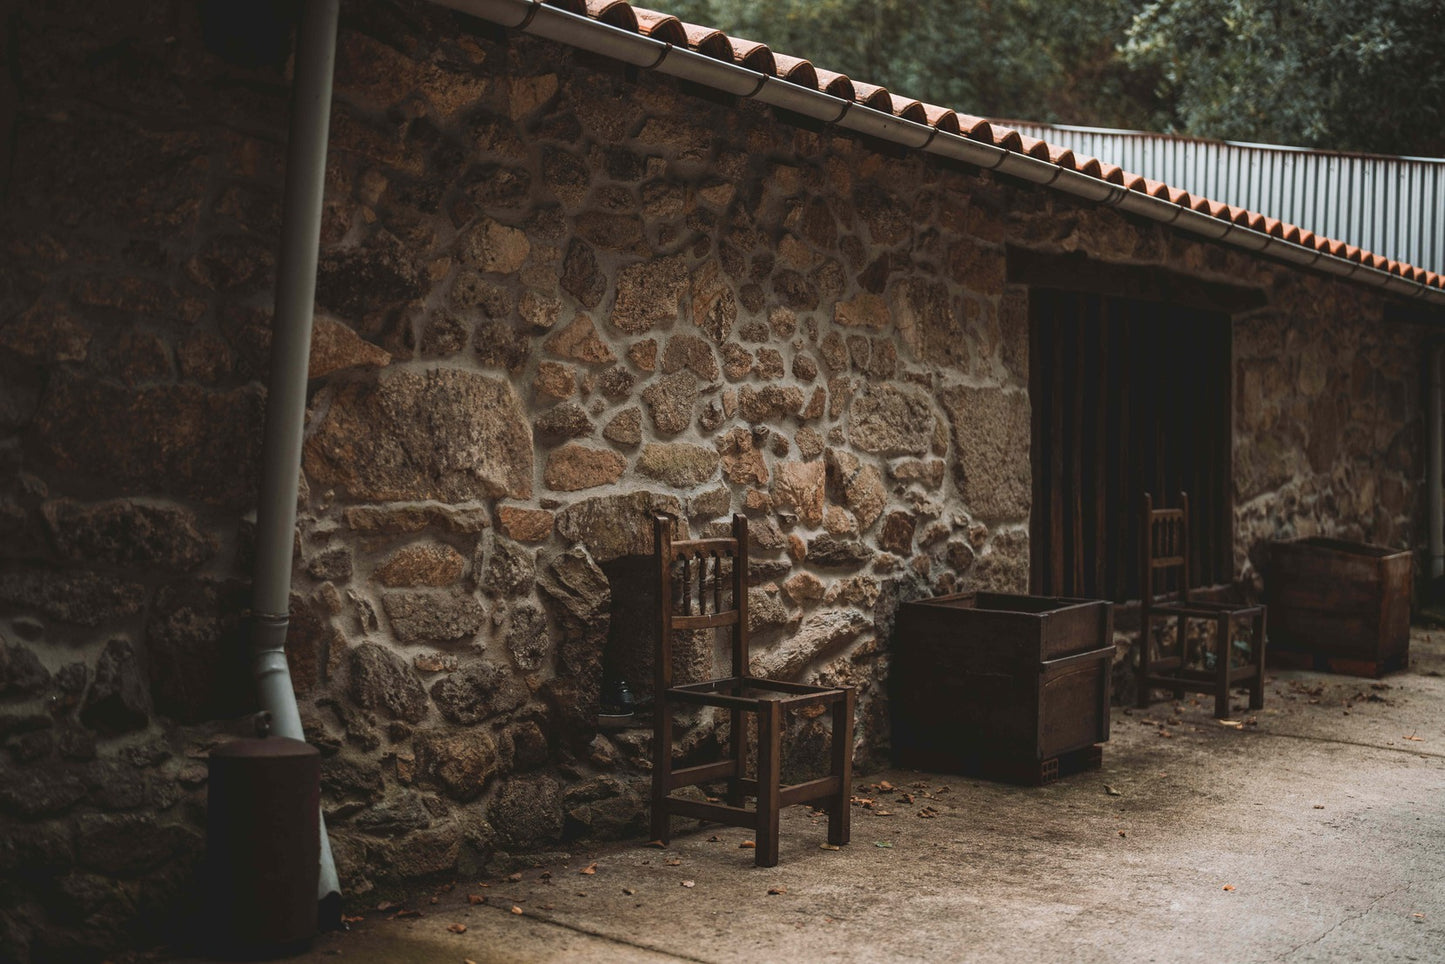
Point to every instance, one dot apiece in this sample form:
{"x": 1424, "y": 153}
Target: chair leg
{"x": 661, "y": 768}
{"x": 770, "y": 753}
{"x": 1222, "y": 645}
{"x": 1256, "y": 686}
{"x": 739, "y": 727}
{"x": 1181, "y": 643}
{"x": 840, "y": 813}
{"x": 1141, "y": 698}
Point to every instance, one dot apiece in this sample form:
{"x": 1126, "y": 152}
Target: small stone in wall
{"x": 649, "y": 293}
{"x": 527, "y": 637}
{"x": 127, "y": 533}
{"x": 581, "y": 277}
{"x": 805, "y": 369}
{"x": 830, "y": 552}
{"x": 643, "y": 354}
{"x": 527, "y": 813}
{"x": 335, "y": 346}
{"x": 756, "y": 500}
{"x": 574, "y": 467}
{"x": 421, "y": 564}
{"x": 892, "y": 420}
{"x": 804, "y": 586}
{"x": 960, "y": 555}
{"x": 460, "y": 764}
{"x": 737, "y": 361}
{"x": 714, "y": 306}
{"x": 566, "y": 420}
{"x": 617, "y": 382}
{"x": 625, "y": 427}
{"x": 801, "y": 485}
{"x": 838, "y": 521}
{"x": 510, "y": 569}
{"x": 410, "y": 517}
{"x": 21, "y": 672}
{"x": 539, "y": 310}
{"x": 435, "y": 662}
{"x": 615, "y": 525}
{"x": 671, "y": 401}
{"x": 691, "y": 353}
{"x": 864, "y": 311}
{"x": 477, "y": 692}
{"x": 332, "y": 565}
{"x": 554, "y": 380}
{"x": 381, "y": 681}
{"x": 897, "y": 533}
{"x": 926, "y": 472}
{"x": 810, "y": 443}
{"x": 680, "y": 465}
{"x": 769, "y": 402}
{"x": 770, "y": 364}
{"x": 423, "y": 616}
{"x": 711, "y": 503}
{"x": 742, "y": 463}
{"x": 766, "y": 610}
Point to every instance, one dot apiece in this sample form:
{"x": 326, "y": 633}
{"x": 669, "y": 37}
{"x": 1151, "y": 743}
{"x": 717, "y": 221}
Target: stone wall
{"x": 554, "y": 298}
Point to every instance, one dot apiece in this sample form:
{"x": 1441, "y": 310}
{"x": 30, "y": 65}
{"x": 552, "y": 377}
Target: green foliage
{"x": 1310, "y": 72}
{"x": 1317, "y": 73}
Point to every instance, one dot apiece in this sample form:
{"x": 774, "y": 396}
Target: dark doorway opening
{"x": 1129, "y": 396}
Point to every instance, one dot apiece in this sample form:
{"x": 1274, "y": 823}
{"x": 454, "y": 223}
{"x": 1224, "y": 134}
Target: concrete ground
{"x": 1313, "y": 830}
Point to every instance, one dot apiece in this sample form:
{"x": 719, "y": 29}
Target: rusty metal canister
{"x": 263, "y": 843}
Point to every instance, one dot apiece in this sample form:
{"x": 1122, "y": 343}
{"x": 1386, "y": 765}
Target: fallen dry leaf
{"x": 516, "y": 909}
{"x": 385, "y": 905}
{"x": 829, "y": 846}
{"x": 714, "y": 839}
{"x": 1416, "y": 739}
{"x": 674, "y": 862}
{"x": 351, "y": 920}
{"x": 906, "y": 798}
{"x": 774, "y": 891}
{"x": 515, "y": 877}
{"x": 434, "y": 900}
{"x": 885, "y": 786}
{"x": 1228, "y": 886}
{"x": 885, "y": 845}
{"x": 590, "y": 869}
{"x": 404, "y": 914}
{"x": 1123, "y": 833}
{"x": 1319, "y": 806}
{"x": 476, "y": 899}
{"x": 628, "y": 891}
{"x": 1112, "y": 792}
{"x": 748, "y": 845}
{"x": 658, "y": 844}
{"x": 457, "y": 928}
{"x": 928, "y": 813}
{"x": 1232, "y": 724}
{"x": 689, "y": 883}
{"x": 883, "y": 813}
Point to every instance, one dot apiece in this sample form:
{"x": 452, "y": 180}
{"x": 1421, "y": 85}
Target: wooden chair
{"x": 713, "y": 575}
{"x": 1164, "y": 549}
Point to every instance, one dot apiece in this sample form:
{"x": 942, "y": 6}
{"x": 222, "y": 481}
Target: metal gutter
{"x": 286, "y": 392}
{"x": 552, "y": 23}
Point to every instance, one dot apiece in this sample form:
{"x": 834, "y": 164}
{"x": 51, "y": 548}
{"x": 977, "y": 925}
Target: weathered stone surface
{"x": 678, "y": 464}
{"x": 926, "y": 472}
{"x": 565, "y": 420}
{"x": 335, "y": 346}
{"x": 21, "y": 672}
{"x": 539, "y": 310}
{"x": 527, "y": 637}
{"x": 802, "y": 486}
{"x": 126, "y": 844}
{"x": 711, "y": 503}
{"x": 494, "y": 247}
{"x": 579, "y": 342}
{"x": 421, "y": 564}
{"x": 382, "y": 681}
{"x": 671, "y": 401}
{"x": 403, "y": 518}
{"x": 864, "y": 311}
{"x": 476, "y": 693}
{"x": 525, "y": 525}
{"x": 649, "y": 294}
{"x": 554, "y": 381}
{"x": 861, "y": 486}
{"x": 196, "y": 651}
{"x": 691, "y": 353}
{"x": 769, "y": 402}
{"x": 616, "y": 525}
{"x": 625, "y": 427}
{"x": 897, "y": 533}
{"x": 742, "y": 461}
{"x": 580, "y": 275}
{"x": 766, "y": 609}
{"x": 604, "y": 808}
{"x": 1004, "y": 566}
{"x": 30, "y": 794}
{"x": 527, "y": 813}
{"x": 892, "y": 420}
{"x": 977, "y": 268}
{"x": 117, "y": 701}
{"x": 428, "y": 616}
{"x": 443, "y": 434}
{"x": 460, "y": 763}
{"x": 126, "y": 534}
{"x": 353, "y": 282}
{"x": 510, "y": 569}
{"x": 85, "y": 598}
{"x": 832, "y": 553}
{"x": 990, "y": 464}
{"x": 164, "y": 440}
{"x": 47, "y": 332}
{"x": 333, "y": 565}
{"x": 804, "y": 586}
{"x": 574, "y": 467}
{"x": 821, "y": 635}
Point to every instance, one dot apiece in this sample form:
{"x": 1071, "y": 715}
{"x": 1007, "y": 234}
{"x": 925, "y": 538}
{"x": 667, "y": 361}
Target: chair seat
{"x": 747, "y": 692}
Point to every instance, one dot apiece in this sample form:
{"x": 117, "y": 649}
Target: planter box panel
{"x": 1346, "y": 603}
{"x": 995, "y": 683}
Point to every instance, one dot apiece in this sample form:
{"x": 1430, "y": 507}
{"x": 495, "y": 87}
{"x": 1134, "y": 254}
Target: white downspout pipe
{"x": 1434, "y": 445}
{"x": 286, "y": 396}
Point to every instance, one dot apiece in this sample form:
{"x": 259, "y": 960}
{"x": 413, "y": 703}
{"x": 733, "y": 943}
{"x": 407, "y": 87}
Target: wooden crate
{"x": 1344, "y": 605}
{"x": 1000, "y": 685}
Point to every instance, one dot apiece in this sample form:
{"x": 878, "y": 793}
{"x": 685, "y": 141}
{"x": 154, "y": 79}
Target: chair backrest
{"x": 701, "y": 584}
{"x": 1164, "y": 551}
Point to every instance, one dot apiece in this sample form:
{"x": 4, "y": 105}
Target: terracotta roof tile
{"x": 796, "y": 70}
{"x": 615, "y": 13}
{"x": 838, "y": 85}
{"x": 912, "y": 110}
{"x": 758, "y": 57}
{"x": 660, "y": 26}
{"x": 941, "y": 118}
{"x": 1008, "y": 138}
{"x": 1034, "y": 147}
{"x": 873, "y": 96}
{"x": 753, "y": 56}
{"x": 709, "y": 41}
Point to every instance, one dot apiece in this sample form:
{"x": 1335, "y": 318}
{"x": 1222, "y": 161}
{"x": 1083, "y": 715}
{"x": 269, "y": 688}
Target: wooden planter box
{"x": 1344, "y": 605}
{"x": 1001, "y": 685}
